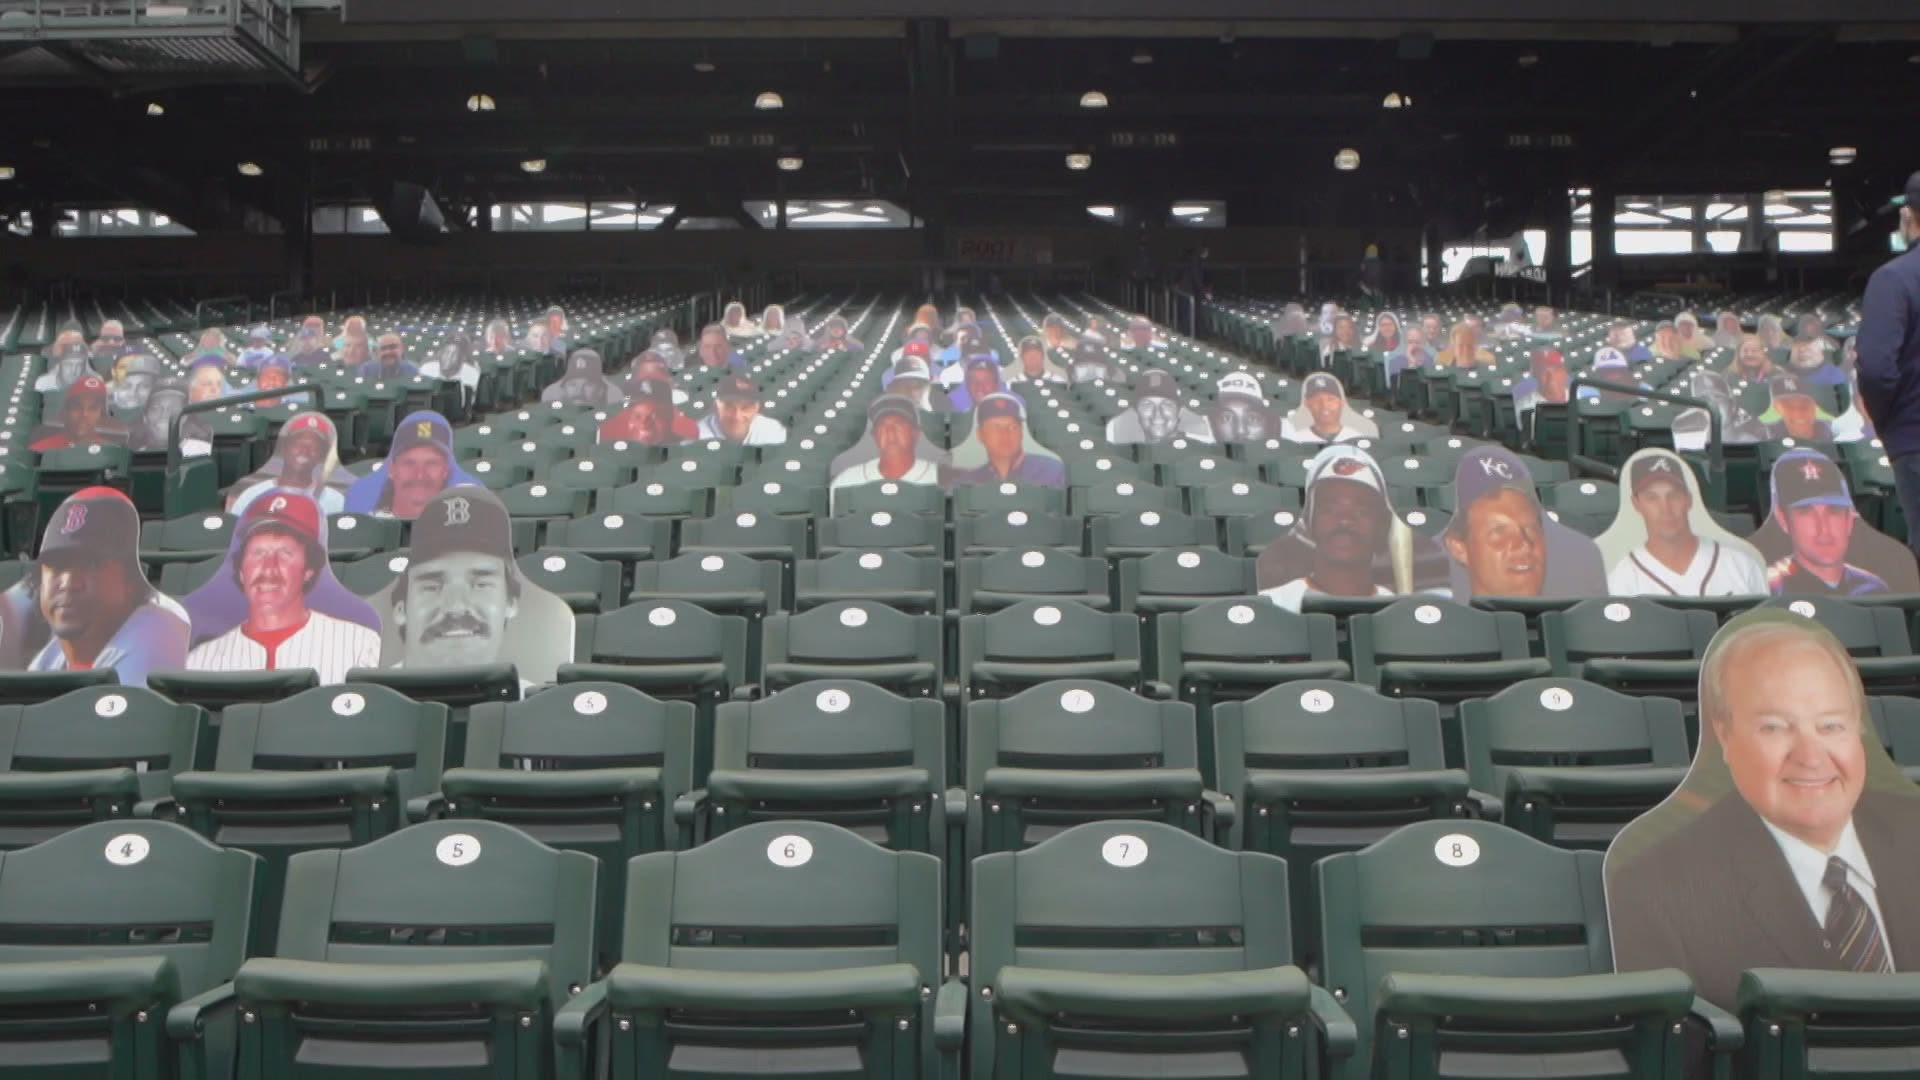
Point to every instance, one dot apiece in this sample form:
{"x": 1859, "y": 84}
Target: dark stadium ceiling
{"x": 970, "y": 119}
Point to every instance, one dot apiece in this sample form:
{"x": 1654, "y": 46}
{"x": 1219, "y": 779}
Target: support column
{"x": 1436, "y": 266}
{"x": 1606, "y": 265}
{"x": 1559, "y": 246}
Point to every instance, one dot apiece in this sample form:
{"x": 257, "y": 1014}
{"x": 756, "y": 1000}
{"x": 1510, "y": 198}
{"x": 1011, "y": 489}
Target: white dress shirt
{"x": 1809, "y": 866}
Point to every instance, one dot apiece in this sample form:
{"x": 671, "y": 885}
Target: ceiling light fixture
{"x": 1527, "y": 59}
{"x": 1190, "y": 210}
{"x": 1103, "y": 211}
{"x": 248, "y": 168}
{"x": 703, "y": 66}
{"x": 1397, "y": 101}
{"x": 769, "y": 101}
{"x": 1347, "y": 160}
{"x": 1142, "y": 57}
{"x": 534, "y": 165}
{"x": 1079, "y": 162}
{"x": 791, "y": 164}
{"x": 479, "y": 103}
{"x": 6, "y": 172}
{"x": 154, "y": 108}
{"x": 1093, "y": 99}
{"x": 1843, "y": 155}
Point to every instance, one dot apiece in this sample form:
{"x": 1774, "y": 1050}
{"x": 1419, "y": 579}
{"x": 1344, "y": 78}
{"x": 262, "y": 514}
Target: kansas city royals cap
{"x": 287, "y": 511}
{"x": 1803, "y": 477}
{"x": 736, "y": 388}
{"x": 462, "y": 519}
{"x": 423, "y": 429}
{"x": 994, "y": 406}
{"x": 1786, "y": 385}
{"x": 97, "y": 521}
{"x": 892, "y": 405}
{"x": 983, "y": 361}
{"x": 1322, "y": 383}
{"x": 1654, "y": 468}
{"x": 1155, "y": 384}
{"x": 1486, "y": 471}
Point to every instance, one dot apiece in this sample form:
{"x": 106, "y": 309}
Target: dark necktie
{"x": 1851, "y": 928}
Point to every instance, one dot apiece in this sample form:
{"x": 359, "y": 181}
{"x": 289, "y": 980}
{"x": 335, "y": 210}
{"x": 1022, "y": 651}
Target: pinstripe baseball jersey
{"x": 328, "y": 645}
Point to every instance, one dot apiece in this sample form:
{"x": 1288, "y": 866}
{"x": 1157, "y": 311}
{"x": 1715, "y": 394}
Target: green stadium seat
{"x": 1010, "y": 530}
{"x": 723, "y": 582}
{"x": 1038, "y": 641}
{"x": 91, "y": 754}
{"x": 670, "y": 650}
{"x": 1630, "y": 644}
{"x": 1127, "y": 949}
{"x": 214, "y": 691}
{"x": 859, "y": 640}
{"x": 991, "y": 582}
{"x": 1572, "y": 762}
{"x": 1875, "y": 635}
{"x": 1436, "y": 649}
{"x": 1182, "y": 580}
{"x": 908, "y": 583}
{"x": 882, "y": 530}
{"x": 588, "y": 585}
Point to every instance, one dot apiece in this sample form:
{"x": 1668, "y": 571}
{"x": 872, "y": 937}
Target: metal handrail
{"x": 316, "y": 393}
{"x": 200, "y": 309}
{"x": 1716, "y": 449}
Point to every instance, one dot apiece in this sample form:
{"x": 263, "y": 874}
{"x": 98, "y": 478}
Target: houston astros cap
{"x": 1155, "y": 384}
{"x": 423, "y": 429}
{"x": 1654, "y": 468}
{"x": 1488, "y": 470}
{"x": 895, "y": 405}
{"x": 997, "y": 405}
{"x": 96, "y": 521}
{"x": 1803, "y": 477}
{"x": 287, "y": 511}
{"x": 1321, "y": 382}
{"x": 736, "y": 388}
{"x": 1787, "y": 385}
{"x": 462, "y": 519}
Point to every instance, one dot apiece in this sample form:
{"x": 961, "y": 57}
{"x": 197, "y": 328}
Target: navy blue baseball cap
{"x": 997, "y": 405}
{"x": 1803, "y": 477}
{"x": 1486, "y": 471}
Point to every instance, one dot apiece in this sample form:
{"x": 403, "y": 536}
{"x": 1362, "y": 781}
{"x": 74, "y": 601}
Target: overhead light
{"x": 6, "y": 172}
{"x": 768, "y": 101}
{"x": 1093, "y": 99}
{"x": 534, "y": 165}
{"x": 1397, "y": 101}
{"x": 1190, "y": 210}
{"x": 480, "y": 103}
{"x": 1843, "y": 155}
{"x": 1774, "y": 197}
{"x": 154, "y": 108}
{"x": 703, "y": 66}
{"x": 248, "y": 168}
{"x": 1347, "y": 160}
{"x": 1142, "y": 56}
{"x": 1079, "y": 162}
{"x": 791, "y": 164}
{"x": 1527, "y": 59}
{"x": 1103, "y": 211}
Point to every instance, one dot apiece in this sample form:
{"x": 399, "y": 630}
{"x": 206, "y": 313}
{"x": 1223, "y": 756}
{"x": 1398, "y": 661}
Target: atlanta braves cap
{"x": 1803, "y": 477}
{"x": 462, "y": 519}
{"x": 1654, "y": 468}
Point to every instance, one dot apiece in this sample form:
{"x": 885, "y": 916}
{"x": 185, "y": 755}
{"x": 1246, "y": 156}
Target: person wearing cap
{"x": 275, "y": 372}
{"x": 154, "y": 433}
{"x": 70, "y": 364}
{"x": 1140, "y": 336}
{"x": 1463, "y": 349}
{"x": 736, "y": 416}
{"x": 460, "y": 590}
{"x": 1345, "y": 525}
{"x": 649, "y": 417}
{"x": 918, "y": 342}
{"x": 391, "y": 363}
{"x": 1091, "y": 364}
{"x": 1240, "y": 412}
{"x": 1322, "y": 415}
{"x": 950, "y": 360}
{"x": 306, "y": 460}
{"x": 716, "y": 352}
{"x": 910, "y": 378}
{"x": 1502, "y": 541}
{"x": 1674, "y": 560}
{"x": 419, "y": 466}
{"x": 1610, "y": 364}
{"x": 1799, "y": 414}
{"x": 1547, "y": 382}
{"x": 97, "y": 604}
{"x": 1812, "y": 505}
{"x": 1053, "y": 329}
{"x": 134, "y": 375}
{"x": 259, "y": 346}
{"x": 1621, "y": 336}
{"x": 980, "y": 377}
{"x": 666, "y": 345}
{"x": 893, "y": 423}
{"x": 585, "y": 383}
{"x": 1692, "y": 428}
{"x": 83, "y": 420}
{"x": 1158, "y": 415}
{"x": 279, "y": 554}
{"x": 1000, "y": 423}
{"x": 310, "y": 348}
{"x": 1888, "y": 347}
{"x": 1033, "y": 365}
{"x": 838, "y": 336}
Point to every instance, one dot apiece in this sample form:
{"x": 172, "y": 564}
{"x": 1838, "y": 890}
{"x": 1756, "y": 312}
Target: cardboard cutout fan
{"x": 1324, "y": 415}
{"x": 1503, "y": 543}
{"x": 461, "y": 600}
{"x": 306, "y": 458}
{"x": 584, "y": 383}
{"x": 86, "y": 601}
{"x": 894, "y": 450}
{"x": 1157, "y": 415}
{"x": 1663, "y": 542}
{"x": 274, "y": 603}
{"x": 736, "y": 416}
{"x": 1241, "y": 412}
{"x": 1001, "y": 449}
{"x": 1815, "y": 543}
{"x": 1791, "y": 842}
{"x": 419, "y": 465}
{"x": 649, "y": 416}
{"x": 83, "y": 420}
{"x": 1348, "y": 540}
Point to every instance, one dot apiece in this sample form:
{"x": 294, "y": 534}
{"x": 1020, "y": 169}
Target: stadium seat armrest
{"x": 119, "y": 983}
{"x": 303, "y": 784}
{"x": 1724, "y": 1033}
{"x": 1490, "y": 806}
{"x": 1219, "y": 810}
{"x": 1159, "y": 691}
{"x": 688, "y": 807}
{"x": 1576, "y": 783}
{"x": 1338, "y": 1033}
{"x": 426, "y": 807}
{"x": 1664, "y": 992}
{"x": 573, "y": 1023}
{"x": 188, "y": 1020}
{"x": 163, "y": 808}
{"x": 1164, "y": 783}
{"x": 1791, "y": 992}
{"x": 879, "y": 987}
{"x": 562, "y": 783}
{"x": 1267, "y": 785}
{"x": 746, "y": 692}
{"x": 513, "y": 983}
{"x": 1035, "y": 995}
{"x": 752, "y": 784}
{"x": 83, "y": 783}
{"x": 950, "y": 1017}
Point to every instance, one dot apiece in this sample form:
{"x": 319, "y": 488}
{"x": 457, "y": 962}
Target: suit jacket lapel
{"x": 1765, "y": 888}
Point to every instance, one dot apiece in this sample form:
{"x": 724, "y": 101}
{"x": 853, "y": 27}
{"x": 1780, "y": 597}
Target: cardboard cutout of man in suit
{"x": 1791, "y": 842}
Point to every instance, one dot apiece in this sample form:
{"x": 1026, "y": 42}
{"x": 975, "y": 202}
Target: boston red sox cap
{"x": 462, "y": 519}
{"x": 98, "y": 521}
